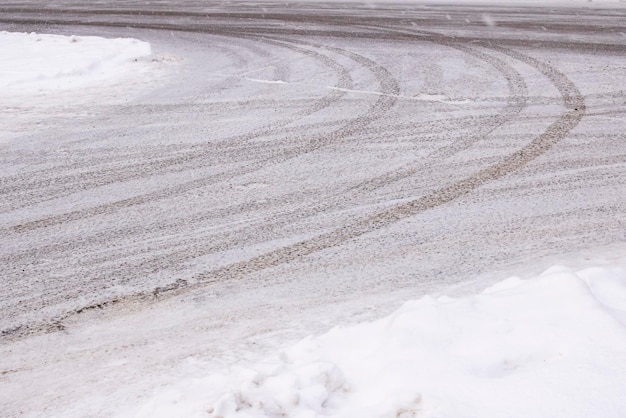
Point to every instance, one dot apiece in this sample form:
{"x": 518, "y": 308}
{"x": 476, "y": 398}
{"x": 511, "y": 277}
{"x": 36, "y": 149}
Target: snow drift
{"x": 554, "y": 345}
{"x": 34, "y": 62}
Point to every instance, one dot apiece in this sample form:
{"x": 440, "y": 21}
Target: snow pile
{"x": 35, "y": 63}
{"x": 554, "y": 345}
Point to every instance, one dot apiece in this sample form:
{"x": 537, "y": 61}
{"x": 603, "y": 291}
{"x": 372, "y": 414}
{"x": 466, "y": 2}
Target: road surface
{"x": 298, "y": 166}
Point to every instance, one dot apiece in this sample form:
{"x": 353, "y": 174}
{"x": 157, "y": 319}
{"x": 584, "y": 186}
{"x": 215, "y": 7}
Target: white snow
{"x": 45, "y": 77}
{"x": 34, "y": 63}
{"x": 549, "y": 346}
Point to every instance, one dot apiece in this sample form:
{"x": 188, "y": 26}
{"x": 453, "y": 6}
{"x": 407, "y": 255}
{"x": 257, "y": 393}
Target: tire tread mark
{"x": 85, "y": 180}
{"x": 516, "y": 103}
{"x": 575, "y": 110}
{"x": 388, "y": 86}
{"x": 575, "y": 105}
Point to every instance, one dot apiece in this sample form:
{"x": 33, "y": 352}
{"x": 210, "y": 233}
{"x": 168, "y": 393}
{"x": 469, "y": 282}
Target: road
{"x": 299, "y": 166}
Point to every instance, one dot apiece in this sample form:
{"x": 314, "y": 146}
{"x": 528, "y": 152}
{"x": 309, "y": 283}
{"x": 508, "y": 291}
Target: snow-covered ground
{"x": 44, "y": 76}
{"x": 34, "y": 63}
{"x": 545, "y": 346}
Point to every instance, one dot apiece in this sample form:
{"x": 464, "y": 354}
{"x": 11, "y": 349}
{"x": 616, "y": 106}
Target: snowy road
{"x": 293, "y": 167}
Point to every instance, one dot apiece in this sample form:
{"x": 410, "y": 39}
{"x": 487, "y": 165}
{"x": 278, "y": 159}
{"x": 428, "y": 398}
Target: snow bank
{"x": 550, "y": 346}
{"x": 35, "y": 63}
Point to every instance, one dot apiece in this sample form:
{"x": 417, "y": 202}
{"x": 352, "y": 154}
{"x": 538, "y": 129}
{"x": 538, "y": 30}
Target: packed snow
{"x": 33, "y": 62}
{"x": 552, "y": 345}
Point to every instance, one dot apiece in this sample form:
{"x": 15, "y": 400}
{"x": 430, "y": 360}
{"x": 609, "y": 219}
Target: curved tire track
{"x": 34, "y": 191}
{"x": 572, "y": 100}
{"x": 575, "y": 110}
{"x": 389, "y": 88}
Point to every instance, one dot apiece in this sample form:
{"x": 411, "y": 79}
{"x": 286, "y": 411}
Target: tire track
{"x": 517, "y": 101}
{"x": 102, "y": 238}
{"x": 225, "y": 29}
{"x": 152, "y": 153}
{"x": 568, "y": 120}
{"x": 573, "y": 102}
{"x": 388, "y": 85}
{"x": 196, "y": 247}
{"x": 305, "y": 16}
{"x": 31, "y": 192}
{"x": 575, "y": 109}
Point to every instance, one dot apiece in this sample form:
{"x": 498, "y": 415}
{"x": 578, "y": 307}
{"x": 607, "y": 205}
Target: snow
{"x": 548, "y": 346}
{"x": 552, "y": 345}
{"x": 41, "y": 75}
{"x": 34, "y": 63}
